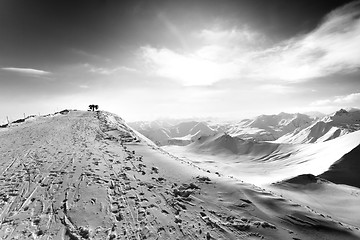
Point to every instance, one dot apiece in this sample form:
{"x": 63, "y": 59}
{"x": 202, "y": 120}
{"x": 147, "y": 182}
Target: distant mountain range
{"x": 270, "y": 127}
{"x": 282, "y": 128}
{"x": 163, "y": 133}
{"x": 329, "y": 127}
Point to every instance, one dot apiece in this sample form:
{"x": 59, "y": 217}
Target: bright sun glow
{"x": 189, "y": 69}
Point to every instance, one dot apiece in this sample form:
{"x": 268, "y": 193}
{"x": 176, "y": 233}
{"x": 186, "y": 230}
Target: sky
{"x": 180, "y": 59}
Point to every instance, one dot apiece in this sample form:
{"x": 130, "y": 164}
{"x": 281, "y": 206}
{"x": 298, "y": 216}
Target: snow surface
{"x": 265, "y": 162}
{"x": 329, "y": 127}
{"x": 88, "y": 175}
{"x": 341, "y": 202}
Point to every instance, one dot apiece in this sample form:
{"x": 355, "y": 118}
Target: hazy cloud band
{"x": 30, "y": 71}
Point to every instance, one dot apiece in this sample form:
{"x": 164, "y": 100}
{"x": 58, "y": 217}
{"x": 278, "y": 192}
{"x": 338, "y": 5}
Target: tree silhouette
{"x": 93, "y": 107}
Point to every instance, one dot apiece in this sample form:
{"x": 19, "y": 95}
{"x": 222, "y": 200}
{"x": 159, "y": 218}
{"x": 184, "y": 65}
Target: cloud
{"x": 276, "y": 88}
{"x": 322, "y": 102}
{"x": 333, "y": 47}
{"x": 108, "y": 71}
{"x": 231, "y": 37}
{"x": 29, "y": 71}
{"x": 88, "y": 55}
{"x": 353, "y": 99}
{"x": 84, "y": 86}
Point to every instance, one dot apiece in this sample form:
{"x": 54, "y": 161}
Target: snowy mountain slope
{"x": 265, "y": 162}
{"x": 203, "y": 129}
{"x": 270, "y": 127}
{"x": 322, "y": 196}
{"x": 182, "y": 133}
{"x": 262, "y": 128}
{"x": 200, "y": 129}
{"x": 80, "y": 177}
{"x": 223, "y": 142}
{"x": 159, "y": 136}
{"x": 346, "y": 169}
{"x": 281, "y": 128}
{"x": 343, "y": 118}
{"x": 329, "y": 127}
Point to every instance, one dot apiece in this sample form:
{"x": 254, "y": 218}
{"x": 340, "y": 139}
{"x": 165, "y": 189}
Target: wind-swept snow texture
{"x": 341, "y": 202}
{"x": 87, "y": 175}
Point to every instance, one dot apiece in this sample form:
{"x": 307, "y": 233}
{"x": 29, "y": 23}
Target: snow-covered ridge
{"x": 116, "y": 127}
{"x": 14, "y": 123}
{"x": 269, "y": 127}
{"x": 329, "y": 127}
